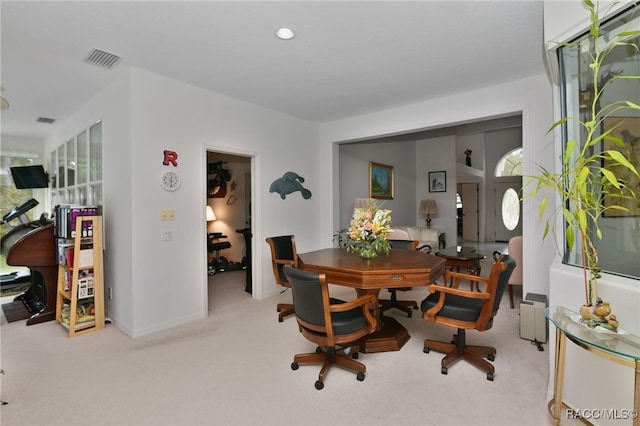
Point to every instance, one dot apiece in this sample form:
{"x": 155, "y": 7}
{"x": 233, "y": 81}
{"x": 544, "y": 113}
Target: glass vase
{"x": 367, "y": 251}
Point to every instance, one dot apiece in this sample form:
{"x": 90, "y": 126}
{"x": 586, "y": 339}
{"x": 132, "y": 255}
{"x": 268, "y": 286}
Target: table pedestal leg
{"x": 390, "y": 335}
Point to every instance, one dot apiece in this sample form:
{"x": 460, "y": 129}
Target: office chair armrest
{"x": 284, "y": 262}
{"x": 367, "y": 303}
{"x": 367, "y": 299}
{"x": 430, "y": 314}
{"x": 469, "y": 294}
{"x": 425, "y": 248}
{"x": 458, "y": 276}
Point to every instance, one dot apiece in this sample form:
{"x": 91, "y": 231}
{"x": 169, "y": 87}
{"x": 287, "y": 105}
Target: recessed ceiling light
{"x": 285, "y": 33}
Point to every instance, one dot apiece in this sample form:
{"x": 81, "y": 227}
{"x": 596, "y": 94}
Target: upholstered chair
{"x": 515, "y": 251}
{"x": 467, "y": 310}
{"x": 283, "y": 252}
{"x": 335, "y": 326}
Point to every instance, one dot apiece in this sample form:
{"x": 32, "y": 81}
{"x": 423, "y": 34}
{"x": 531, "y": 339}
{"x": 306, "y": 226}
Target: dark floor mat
{"x": 15, "y": 311}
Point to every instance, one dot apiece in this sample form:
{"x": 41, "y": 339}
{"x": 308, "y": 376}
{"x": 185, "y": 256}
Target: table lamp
{"x": 363, "y": 203}
{"x": 210, "y": 215}
{"x": 428, "y": 207}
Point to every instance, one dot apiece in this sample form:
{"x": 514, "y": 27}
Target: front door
{"x": 508, "y": 210}
{"x": 470, "y": 214}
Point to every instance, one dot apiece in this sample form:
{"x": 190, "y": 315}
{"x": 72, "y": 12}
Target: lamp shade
{"x": 210, "y": 215}
{"x": 428, "y": 207}
{"x": 363, "y": 203}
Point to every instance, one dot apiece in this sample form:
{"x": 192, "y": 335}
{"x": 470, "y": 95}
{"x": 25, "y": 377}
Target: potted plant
{"x": 586, "y": 177}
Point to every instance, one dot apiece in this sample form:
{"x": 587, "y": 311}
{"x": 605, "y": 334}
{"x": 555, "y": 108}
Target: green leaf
{"x": 622, "y": 160}
{"x": 543, "y": 206}
{"x": 557, "y": 123}
{"x": 611, "y": 178}
{"x": 582, "y": 220}
{"x": 570, "y": 237}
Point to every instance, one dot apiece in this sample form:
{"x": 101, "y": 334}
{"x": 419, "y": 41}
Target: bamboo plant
{"x": 586, "y": 175}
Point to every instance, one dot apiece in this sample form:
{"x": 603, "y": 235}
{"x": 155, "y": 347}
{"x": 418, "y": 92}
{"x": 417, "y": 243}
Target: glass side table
{"x": 624, "y": 349}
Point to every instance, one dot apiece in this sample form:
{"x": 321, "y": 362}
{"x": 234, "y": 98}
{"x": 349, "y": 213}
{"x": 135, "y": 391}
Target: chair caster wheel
{"x": 355, "y": 355}
{"x": 426, "y": 350}
{"x": 491, "y": 357}
{"x": 280, "y": 319}
{"x": 444, "y": 370}
{"x": 490, "y": 377}
{"x": 416, "y": 307}
{"x": 409, "y": 314}
{"x": 319, "y": 385}
{"x": 294, "y": 366}
{"x": 318, "y": 349}
{"x": 360, "y": 376}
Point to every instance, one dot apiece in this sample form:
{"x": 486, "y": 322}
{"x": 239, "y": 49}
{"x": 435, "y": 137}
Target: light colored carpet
{"x": 233, "y": 368}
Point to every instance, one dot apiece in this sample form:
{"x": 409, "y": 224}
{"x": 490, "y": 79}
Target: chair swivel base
{"x": 328, "y": 358}
{"x": 285, "y": 310}
{"x": 403, "y": 305}
{"x": 458, "y": 349}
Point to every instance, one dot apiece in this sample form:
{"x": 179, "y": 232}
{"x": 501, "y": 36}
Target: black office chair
{"x": 467, "y": 310}
{"x": 283, "y": 252}
{"x": 332, "y": 324}
{"x": 393, "y": 302}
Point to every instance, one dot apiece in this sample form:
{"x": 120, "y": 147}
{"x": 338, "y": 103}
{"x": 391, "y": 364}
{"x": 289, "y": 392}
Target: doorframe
{"x": 256, "y": 212}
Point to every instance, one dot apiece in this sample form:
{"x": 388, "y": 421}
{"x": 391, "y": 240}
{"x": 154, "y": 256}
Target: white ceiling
{"x": 348, "y": 58}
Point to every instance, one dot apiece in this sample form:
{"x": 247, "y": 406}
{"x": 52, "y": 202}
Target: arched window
{"x": 510, "y": 164}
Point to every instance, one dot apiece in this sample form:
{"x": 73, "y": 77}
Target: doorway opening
{"x": 228, "y": 231}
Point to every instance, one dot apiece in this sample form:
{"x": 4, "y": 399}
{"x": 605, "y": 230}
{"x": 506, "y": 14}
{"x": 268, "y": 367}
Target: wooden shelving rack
{"x": 82, "y": 312}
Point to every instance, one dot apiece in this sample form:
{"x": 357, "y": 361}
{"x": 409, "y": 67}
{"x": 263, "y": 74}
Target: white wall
{"x": 354, "y": 178}
{"x": 531, "y": 97}
{"x": 436, "y": 155}
{"x": 158, "y": 284}
{"x": 112, "y": 106}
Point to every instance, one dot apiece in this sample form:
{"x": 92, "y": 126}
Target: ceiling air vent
{"x": 45, "y": 120}
{"x": 102, "y": 59}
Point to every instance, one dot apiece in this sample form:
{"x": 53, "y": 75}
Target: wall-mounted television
{"x": 25, "y": 177}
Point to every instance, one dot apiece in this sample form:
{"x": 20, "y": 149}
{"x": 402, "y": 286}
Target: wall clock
{"x": 170, "y": 181}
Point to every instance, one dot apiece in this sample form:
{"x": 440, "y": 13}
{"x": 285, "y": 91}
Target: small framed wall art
{"x": 438, "y": 181}
{"x": 380, "y": 181}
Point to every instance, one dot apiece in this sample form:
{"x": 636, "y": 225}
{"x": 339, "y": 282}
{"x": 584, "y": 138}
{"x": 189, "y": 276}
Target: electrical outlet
{"x": 166, "y": 235}
{"x": 110, "y": 293}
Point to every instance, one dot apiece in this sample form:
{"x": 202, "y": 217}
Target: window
{"x": 510, "y": 164}
{"x": 620, "y": 244}
{"x": 76, "y": 168}
{"x": 9, "y": 195}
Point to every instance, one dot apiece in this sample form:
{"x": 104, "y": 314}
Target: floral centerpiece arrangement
{"x": 368, "y": 231}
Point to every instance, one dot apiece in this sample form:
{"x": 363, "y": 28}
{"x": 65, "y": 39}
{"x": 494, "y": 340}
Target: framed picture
{"x": 380, "y": 181}
{"x": 628, "y": 130}
{"x": 437, "y": 181}
{"x": 216, "y": 189}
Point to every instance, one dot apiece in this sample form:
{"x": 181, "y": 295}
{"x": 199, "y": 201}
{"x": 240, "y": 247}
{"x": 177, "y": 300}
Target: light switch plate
{"x": 167, "y": 215}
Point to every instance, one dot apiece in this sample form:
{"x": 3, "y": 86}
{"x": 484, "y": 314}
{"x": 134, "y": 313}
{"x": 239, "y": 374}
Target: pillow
{"x": 427, "y": 234}
{"x": 414, "y": 233}
{"x": 399, "y": 234}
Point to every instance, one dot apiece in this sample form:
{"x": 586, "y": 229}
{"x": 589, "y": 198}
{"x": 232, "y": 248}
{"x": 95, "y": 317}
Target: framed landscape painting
{"x": 380, "y": 181}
